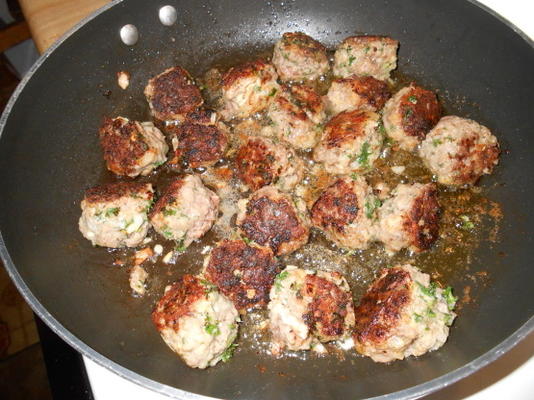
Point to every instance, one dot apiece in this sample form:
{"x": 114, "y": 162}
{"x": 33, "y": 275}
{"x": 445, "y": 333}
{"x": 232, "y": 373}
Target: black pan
{"x": 49, "y": 154}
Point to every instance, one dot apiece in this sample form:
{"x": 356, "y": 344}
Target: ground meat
{"x": 244, "y": 273}
{"x": 132, "y": 148}
{"x": 115, "y": 215}
{"x": 402, "y": 314}
{"x": 345, "y": 212}
{"x": 248, "y": 89}
{"x": 172, "y": 94}
{"x": 308, "y": 307}
{"x": 196, "y": 321}
{"x": 410, "y": 218}
{"x": 200, "y": 141}
{"x": 261, "y": 162}
{"x": 375, "y": 56}
{"x": 350, "y": 142}
{"x": 459, "y": 151}
{"x": 356, "y": 93}
{"x": 274, "y": 219}
{"x": 186, "y": 211}
{"x": 410, "y": 114}
{"x": 298, "y": 57}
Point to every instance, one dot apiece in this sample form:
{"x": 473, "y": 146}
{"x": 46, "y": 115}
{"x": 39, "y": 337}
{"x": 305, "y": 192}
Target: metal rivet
{"x": 129, "y": 34}
{"x": 167, "y": 15}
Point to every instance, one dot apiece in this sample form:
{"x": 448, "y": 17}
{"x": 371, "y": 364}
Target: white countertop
{"x": 510, "y": 377}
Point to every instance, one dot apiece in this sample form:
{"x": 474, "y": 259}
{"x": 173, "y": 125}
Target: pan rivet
{"x": 129, "y": 34}
{"x": 167, "y": 15}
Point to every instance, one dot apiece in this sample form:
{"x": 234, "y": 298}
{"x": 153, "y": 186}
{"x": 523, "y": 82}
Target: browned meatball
{"x": 299, "y": 57}
{"x": 345, "y": 211}
{"x": 132, "y": 148}
{"x": 310, "y": 101}
{"x": 410, "y": 218}
{"x": 172, "y": 94}
{"x": 261, "y": 162}
{"x": 410, "y": 115}
{"x": 200, "y": 141}
{"x": 357, "y": 93}
{"x": 272, "y": 218}
{"x": 244, "y": 273}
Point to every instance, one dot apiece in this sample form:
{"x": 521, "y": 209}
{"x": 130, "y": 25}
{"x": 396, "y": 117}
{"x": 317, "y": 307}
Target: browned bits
{"x": 472, "y": 158}
{"x": 422, "y": 222}
{"x": 344, "y": 127}
{"x": 123, "y": 145}
{"x": 308, "y": 100}
{"x": 303, "y": 42}
{"x": 380, "y": 308}
{"x": 329, "y": 307}
{"x": 374, "y": 91}
{"x": 336, "y": 207}
{"x": 253, "y": 68}
{"x": 420, "y": 111}
{"x": 169, "y": 196}
{"x": 114, "y": 191}
{"x": 172, "y": 94}
{"x": 243, "y": 273}
{"x": 177, "y": 301}
{"x": 256, "y": 164}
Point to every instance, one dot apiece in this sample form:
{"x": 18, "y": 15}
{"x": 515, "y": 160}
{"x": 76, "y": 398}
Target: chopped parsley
{"x": 272, "y": 92}
{"x": 180, "y": 247}
{"x": 450, "y": 298}
{"x": 430, "y": 313}
{"x": 381, "y": 129}
{"x": 370, "y": 207}
{"x": 112, "y": 211}
{"x": 351, "y": 60}
{"x": 363, "y": 157}
{"x": 228, "y": 353}
{"x": 167, "y": 234}
{"x": 278, "y": 280}
{"x": 417, "y": 317}
{"x": 208, "y": 286}
{"x": 367, "y": 49}
{"x": 212, "y": 327}
{"x": 436, "y": 142}
{"x": 408, "y": 113}
{"x": 466, "y": 223}
{"x": 429, "y": 291}
{"x": 448, "y": 319}
{"x": 168, "y": 211}
{"x": 354, "y": 176}
{"x": 412, "y": 99}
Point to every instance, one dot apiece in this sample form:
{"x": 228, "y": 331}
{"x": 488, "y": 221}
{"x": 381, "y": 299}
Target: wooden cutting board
{"x": 49, "y": 19}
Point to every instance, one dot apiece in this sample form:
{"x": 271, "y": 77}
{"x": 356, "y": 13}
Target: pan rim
{"x": 84, "y": 349}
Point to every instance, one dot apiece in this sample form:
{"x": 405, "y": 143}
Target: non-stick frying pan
{"x": 49, "y": 154}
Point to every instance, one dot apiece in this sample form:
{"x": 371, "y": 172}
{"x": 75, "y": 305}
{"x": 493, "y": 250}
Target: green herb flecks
{"x": 212, "y": 327}
{"x": 450, "y": 298}
{"x": 436, "y": 142}
{"x": 412, "y": 99}
{"x": 363, "y": 157}
{"x": 112, "y": 212}
{"x": 370, "y": 207}
{"x": 449, "y": 318}
{"x": 278, "y": 280}
{"x": 466, "y": 223}
{"x": 180, "y": 246}
{"x": 208, "y": 286}
{"x": 417, "y": 317}
{"x": 168, "y": 212}
{"x": 351, "y": 60}
{"x": 430, "y": 313}
{"x": 228, "y": 353}
{"x": 354, "y": 176}
{"x": 272, "y": 92}
{"x": 429, "y": 291}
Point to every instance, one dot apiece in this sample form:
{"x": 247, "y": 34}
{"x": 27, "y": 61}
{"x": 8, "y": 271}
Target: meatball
{"x": 196, "y": 321}
{"x": 298, "y": 57}
{"x": 200, "y": 141}
{"x": 410, "y": 218}
{"x": 244, "y": 273}
{"x": 115, "y": 215}
{"x": 310, "y": 101}
{"x": 132, "y": 148}
{"x": 345, "y": 212}
{"x": 248, "y": 89}
{"x": 274, "y": 219}
{"x": 186, "y": 211}
{"x": 356, "y": 93}
{"x": 350, "y": 142}
{"x": 459, "y": 151}
{"x": 402, "y": 314}
{"x": 308, "y": 307}
{"x": 410, "y": 114}
{"x": 292, "y": 120}
{"x": 261, "y": 162}
{"x": 375, "y": 56}
{"x": 172, "y": 94}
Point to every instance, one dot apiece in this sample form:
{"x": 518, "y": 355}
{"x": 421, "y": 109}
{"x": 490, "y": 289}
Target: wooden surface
{"x": 13, "y": 34}
{"x": 49, "y": 19}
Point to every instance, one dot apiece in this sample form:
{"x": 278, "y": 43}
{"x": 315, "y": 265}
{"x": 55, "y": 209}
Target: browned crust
{"x": 113, "y": 191}
{"x": 272, "y": 223}
{"x": 473, "y": 159}
{"x": 201, "y": 116}
{"x": 419, "y": 118}
{"x": 374, "y": 91}
{"x": 381, "y": 307}
{"x": 169, "y": 196}
{"x": 287, "y": 104}
{"x": 346, "y": 126}
{"x": 329, "y": 307}
{"x": 257, "y": 67}
{"x": 177, "y": 302}
{"x": 422, "y": 222}
{"x": 199, "y": 145}
{"x": 243, "y": 273}
{"x": 336, "y": 207}
{"x": 256, "y": 163}
{"x": 365, "y": 39}
{"x": 174, "y": 92}
{"x": 307, "y": 98}
{"x": 304, "y": 44}
{"x": 123, "y": 144}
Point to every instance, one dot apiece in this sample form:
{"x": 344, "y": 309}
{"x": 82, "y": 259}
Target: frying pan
{"x": 481, "y": 67}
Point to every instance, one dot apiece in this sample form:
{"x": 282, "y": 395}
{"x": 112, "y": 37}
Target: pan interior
{"x": 49, "y": 155}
